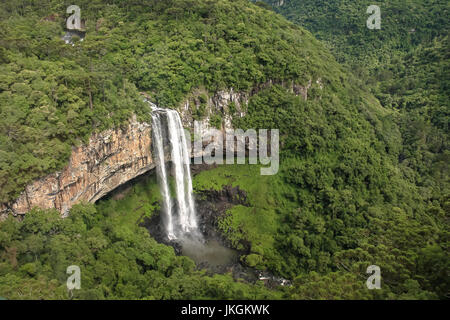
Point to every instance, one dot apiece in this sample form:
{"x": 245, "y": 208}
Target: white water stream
{"x": 180, "y": 219}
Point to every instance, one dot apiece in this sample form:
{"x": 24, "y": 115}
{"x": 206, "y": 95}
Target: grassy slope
{"x": 257, "y": 221}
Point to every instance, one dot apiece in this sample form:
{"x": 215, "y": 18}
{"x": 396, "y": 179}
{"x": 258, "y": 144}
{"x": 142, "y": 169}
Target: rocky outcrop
{"x": 229, "y": 104}
{"x": 225, "y": 103}
{"x": 110, "y": 159}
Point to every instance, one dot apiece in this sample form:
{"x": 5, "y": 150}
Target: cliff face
{"x": 116, "y": 156}
{"x": 110, "y": 159}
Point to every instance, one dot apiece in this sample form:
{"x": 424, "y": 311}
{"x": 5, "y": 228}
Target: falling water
{"x": 184, "y": 222}
{"x": 162, "y": 175}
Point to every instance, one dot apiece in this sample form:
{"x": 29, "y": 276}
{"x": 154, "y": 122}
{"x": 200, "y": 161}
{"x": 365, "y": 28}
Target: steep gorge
{"x": 115, "y": 156}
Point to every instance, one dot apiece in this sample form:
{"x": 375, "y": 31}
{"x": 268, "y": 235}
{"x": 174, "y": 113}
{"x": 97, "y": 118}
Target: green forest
{"x": 363, "y": 176}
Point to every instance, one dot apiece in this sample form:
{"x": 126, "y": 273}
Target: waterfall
{"x": 180, "y": 220}
{"x": 162, "y": 175}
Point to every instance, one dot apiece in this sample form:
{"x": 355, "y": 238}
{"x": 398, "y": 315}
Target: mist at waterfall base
{"x": 178, "y": 214}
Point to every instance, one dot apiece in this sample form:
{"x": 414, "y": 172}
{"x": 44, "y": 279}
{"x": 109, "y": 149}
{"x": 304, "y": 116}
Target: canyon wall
{"x": 115, "y": 156}
{"x": 110, "y": 159}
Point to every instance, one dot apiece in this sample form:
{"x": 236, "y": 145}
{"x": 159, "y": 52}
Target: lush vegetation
{"x": 340, "y": 203}
{"x": 117, "y": 258}
{"x": 363, "y": 172}
{"x": 405, "y": 65}
{"x": 341, "y": 25}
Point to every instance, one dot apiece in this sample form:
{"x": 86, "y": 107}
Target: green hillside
{"x": 405, "y": 65}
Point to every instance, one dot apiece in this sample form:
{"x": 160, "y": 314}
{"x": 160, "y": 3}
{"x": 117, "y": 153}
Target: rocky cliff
{"x": 116, "y": 156}
{"x": 110, "y": 159}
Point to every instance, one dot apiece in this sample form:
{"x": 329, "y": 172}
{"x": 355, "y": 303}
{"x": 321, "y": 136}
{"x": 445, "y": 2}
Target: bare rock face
{"x": 110, "y": 159}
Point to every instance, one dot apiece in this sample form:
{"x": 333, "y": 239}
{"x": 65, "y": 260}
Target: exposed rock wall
{"x": 217, "y": 104}
{"x": 110, "y": 159}
{"x": 115, "y": 156}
